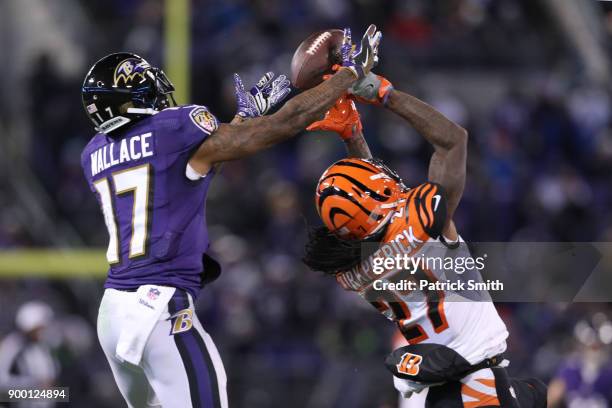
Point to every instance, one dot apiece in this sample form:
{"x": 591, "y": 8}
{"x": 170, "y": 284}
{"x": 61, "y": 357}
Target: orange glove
{"x": 342, "y": 118}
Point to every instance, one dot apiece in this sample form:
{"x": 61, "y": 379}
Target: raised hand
{"x": 361, "y": 58}
{"x": 343, "y": 118}
{"x": 266, "y": 94}
{"x": 372, "y": 88}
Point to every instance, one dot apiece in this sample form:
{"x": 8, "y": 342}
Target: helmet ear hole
{"x": 387, "y": 191}
{"x": 124, "y": 108}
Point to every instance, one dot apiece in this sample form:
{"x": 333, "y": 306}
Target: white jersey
{"x": 432, "y": 290}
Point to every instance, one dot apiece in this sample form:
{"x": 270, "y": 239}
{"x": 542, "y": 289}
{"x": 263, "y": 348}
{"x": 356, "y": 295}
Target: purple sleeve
{"x": 190, "y": 126}
{"x": 86, "y": 165}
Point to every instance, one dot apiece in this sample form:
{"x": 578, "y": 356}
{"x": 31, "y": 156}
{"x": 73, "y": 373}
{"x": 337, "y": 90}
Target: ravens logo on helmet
{"x": 123, "y": 88}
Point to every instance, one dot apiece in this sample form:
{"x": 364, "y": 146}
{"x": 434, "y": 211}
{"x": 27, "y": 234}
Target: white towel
{"x": 149, "y": 303}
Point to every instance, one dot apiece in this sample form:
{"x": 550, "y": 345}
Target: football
{"x": 314, "y": 58}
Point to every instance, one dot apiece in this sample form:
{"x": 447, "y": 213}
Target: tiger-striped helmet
{"x": 356, "y": 197}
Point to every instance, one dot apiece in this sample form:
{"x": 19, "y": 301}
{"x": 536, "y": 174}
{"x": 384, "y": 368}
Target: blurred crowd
{"x": 540, "y": 159}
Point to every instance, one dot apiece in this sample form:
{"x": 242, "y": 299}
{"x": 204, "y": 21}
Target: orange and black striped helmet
{"x": 356, "y": 197}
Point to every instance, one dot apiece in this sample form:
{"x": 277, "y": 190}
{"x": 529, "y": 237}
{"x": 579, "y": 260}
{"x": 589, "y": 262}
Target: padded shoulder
{"x": 185, "y": 127}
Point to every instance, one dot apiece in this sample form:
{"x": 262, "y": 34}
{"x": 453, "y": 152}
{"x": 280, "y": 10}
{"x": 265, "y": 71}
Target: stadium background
{"x": 530, "y": 80}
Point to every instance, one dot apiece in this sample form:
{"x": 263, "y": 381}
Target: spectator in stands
{"x": 25, "y": 358}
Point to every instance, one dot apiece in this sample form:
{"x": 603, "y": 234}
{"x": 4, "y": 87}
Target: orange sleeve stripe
{"x": 489, "y": 382}
{"x": 483, "y": 400}
{"x": 410, "y": 195}
{"x": 424, "y": 217}
{"x": 423, "y": 205}
{"x": 419, "y": 189}
{"x": 427, "y": 203}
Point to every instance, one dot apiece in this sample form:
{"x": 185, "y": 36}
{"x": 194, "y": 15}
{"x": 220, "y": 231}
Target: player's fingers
{"x": 281, "y": 82}
{"x": 347, "y": 36}
{"x": 375, "y": 42}
{"x": 370, "y": 31}
{"x": 364, "y": 44}
{"x": 238, "y": 83}
{"x": 325, "y": 127}
{"x": 281, "y": 95}
{"x": 318, "y": 125}
{"x": 280, "y": 92}
{"x": 336, "y": 67}
{"x": 263, "y": 81}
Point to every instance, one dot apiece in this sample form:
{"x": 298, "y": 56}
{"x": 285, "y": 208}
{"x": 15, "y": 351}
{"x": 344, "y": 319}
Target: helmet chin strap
{"x": 142, "y": 111}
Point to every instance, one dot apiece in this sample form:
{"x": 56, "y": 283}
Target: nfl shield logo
{"x": 153, "y": 293}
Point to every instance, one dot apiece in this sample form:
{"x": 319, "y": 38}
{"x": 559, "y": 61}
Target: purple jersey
{"x": 154, "y": 214}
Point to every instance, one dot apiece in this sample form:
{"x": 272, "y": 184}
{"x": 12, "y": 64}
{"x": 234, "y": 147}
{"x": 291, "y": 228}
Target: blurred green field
{"x": 53, "y": 263}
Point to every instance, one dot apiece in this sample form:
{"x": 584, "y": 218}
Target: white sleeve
{"x": 192, "y": 174}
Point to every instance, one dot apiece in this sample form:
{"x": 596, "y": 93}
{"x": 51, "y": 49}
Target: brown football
{"x": 315, "y": 57}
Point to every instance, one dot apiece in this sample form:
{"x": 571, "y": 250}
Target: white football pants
{"x": 180, "y": 366}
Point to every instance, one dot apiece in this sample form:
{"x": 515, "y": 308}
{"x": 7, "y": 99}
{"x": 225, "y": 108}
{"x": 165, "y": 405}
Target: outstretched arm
{"x": 233, "y": 141}
{"x": 448, "y": 162}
